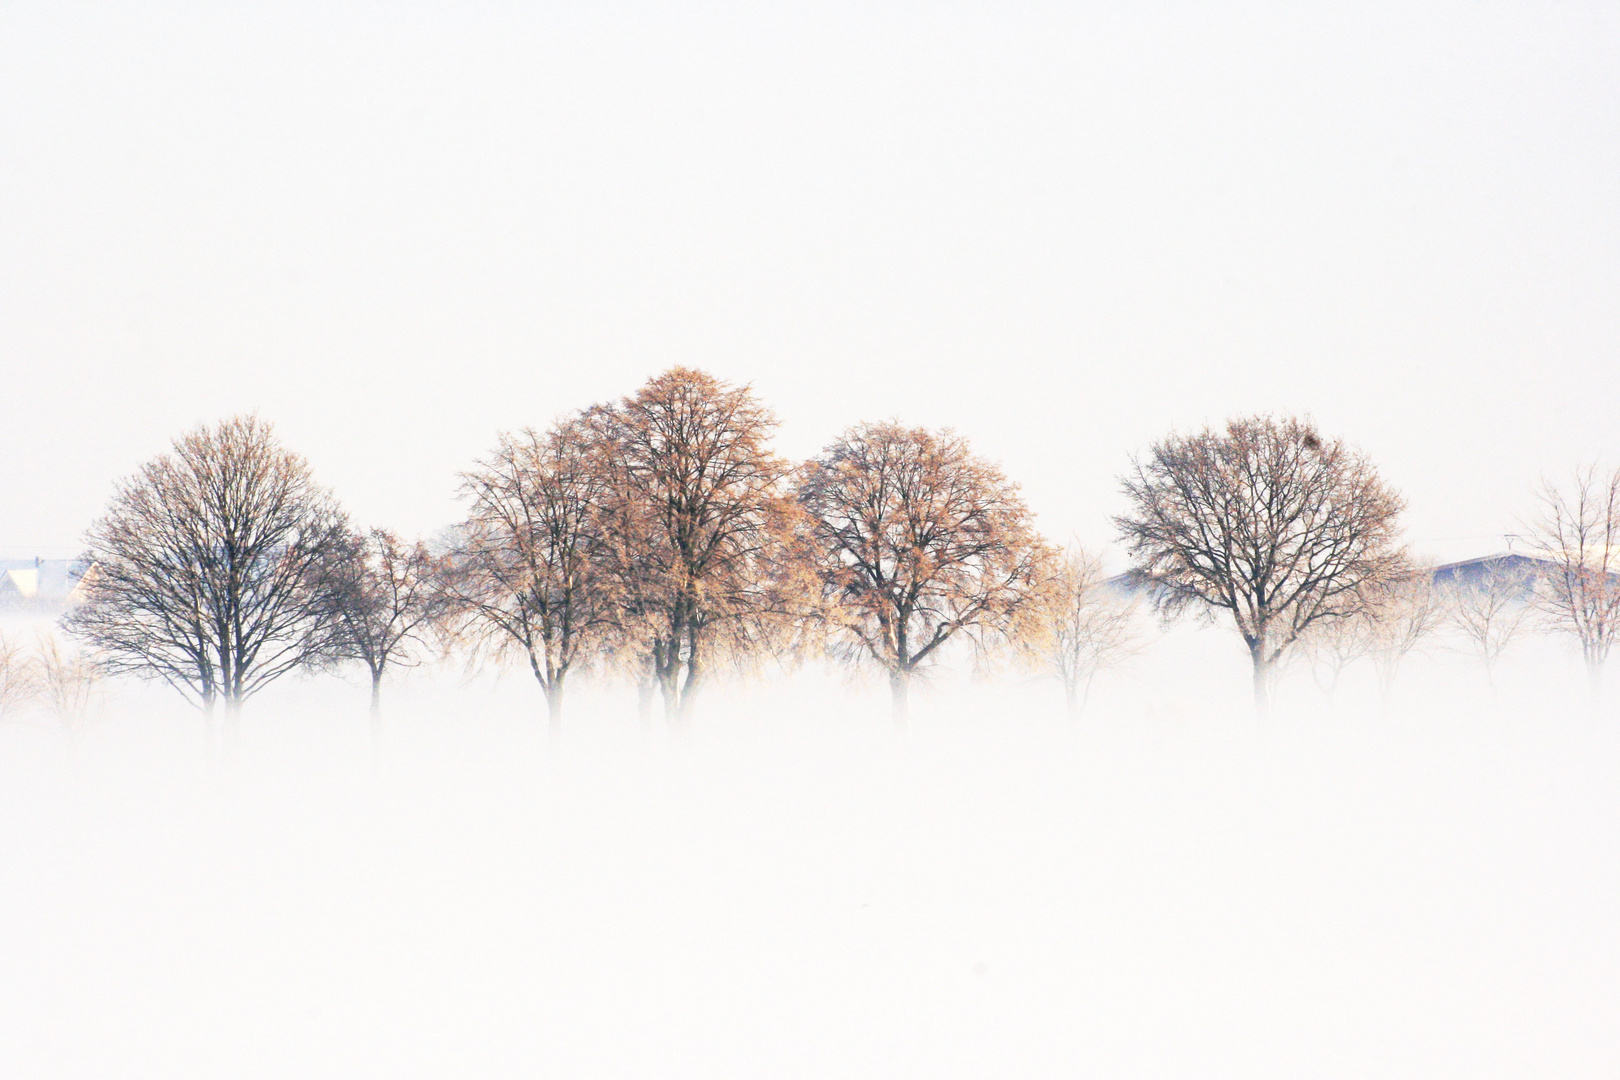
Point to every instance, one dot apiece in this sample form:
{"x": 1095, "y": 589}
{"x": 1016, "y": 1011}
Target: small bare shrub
{"x": 66, "y": 679}
{"x": 19, "y": 682}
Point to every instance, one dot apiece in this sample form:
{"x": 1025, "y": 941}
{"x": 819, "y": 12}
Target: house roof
{"x": 44, "y": 580}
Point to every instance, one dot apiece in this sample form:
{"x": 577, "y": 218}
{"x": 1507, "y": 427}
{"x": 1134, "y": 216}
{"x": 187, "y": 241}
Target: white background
{"x": 1063, "y": 229}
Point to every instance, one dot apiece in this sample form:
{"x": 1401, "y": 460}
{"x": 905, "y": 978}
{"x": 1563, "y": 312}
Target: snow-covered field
{"x": 792, "y": 888}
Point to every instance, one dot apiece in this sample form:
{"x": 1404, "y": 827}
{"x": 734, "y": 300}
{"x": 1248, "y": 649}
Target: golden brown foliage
{"x": 701, "y": 535}
{"x": 917, "y": 540}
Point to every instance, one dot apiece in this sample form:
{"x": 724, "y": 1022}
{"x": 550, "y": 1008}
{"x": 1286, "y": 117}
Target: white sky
{"x": 1064, "y": 230}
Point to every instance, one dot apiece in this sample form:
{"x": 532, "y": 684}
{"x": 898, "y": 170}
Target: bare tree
{"x": 1488, "y": 607}
{"x": 1407, "y": 609}
{"x": 1266, "y": 521}
{"x": 700, "y": 532}
{"x": 919, "y": 540}
{"x": 67, "y": 679}
{"x": 1577, "y": 530}
{"x": 19, "y": 681}
{"x": 387, "y": 596}
{"x": 1081, "y": 625}
{"x": 527, "y": 572}
{"x": 211, "y": 568}
{"x": 632, "y": 530}
{"x": 1333, "y": 645}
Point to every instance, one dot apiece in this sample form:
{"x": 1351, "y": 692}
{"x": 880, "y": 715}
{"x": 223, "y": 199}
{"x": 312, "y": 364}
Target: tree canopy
{"x": 1267, "y": 521}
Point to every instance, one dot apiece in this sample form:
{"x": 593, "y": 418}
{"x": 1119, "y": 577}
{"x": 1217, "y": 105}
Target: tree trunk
{"x": 671, "y": 686}
{"x": 645, "y": 688}
{"x": 210, "y": 732}
{"x": 1386, "y": 685}
{"x": 1262, "y": 681}
{"x": 899, "y": 691}
{"x": 554, "y": 707}
{"x": 376, "y": 713}
{"x": 667, "y": 669}
{"x": 233, "y": 721}
{"x": 689, "y": 691}
{"x": 1071, "y": 697}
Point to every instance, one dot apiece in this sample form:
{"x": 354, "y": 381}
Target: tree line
{"x": 659, "y": 539}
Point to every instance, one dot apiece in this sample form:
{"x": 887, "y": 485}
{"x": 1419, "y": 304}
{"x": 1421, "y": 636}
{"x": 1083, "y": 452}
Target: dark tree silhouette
{"x": 1266, "y": 521}
{"x": 388, "y": 596}
{"x": 211, "y": 568}
{"x": 526, "y": 574}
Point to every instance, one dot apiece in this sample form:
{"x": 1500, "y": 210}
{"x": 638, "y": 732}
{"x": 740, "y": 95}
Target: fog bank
{"x": 794, "y": 888}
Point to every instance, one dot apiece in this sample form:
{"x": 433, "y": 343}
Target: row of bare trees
{"x": 1577, "y": 532}
{"x": 1484, "y": 606}
{"x": 659, "y": 537}
{"x": 1295, "y": 539}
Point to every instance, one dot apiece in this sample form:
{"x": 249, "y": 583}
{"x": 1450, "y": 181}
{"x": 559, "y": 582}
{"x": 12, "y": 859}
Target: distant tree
{"x": 1266, "y": 521}
{"x": 66, "y": 679}
{"x": 1406, "y": 610}
{"x": 919, "y": 540}
{"x": 211, "y": 568}
{"x": 1577, "y": 529}
{"x": 388, "y": 597}
{"x": 700, "y": 530}
{"x": 526, "y": 574}
{"x": 1489, "y": 608}
{"x": 1332, "y": 645}
{"x": 1081, "y": 625}
{"x": 18, "y": 676}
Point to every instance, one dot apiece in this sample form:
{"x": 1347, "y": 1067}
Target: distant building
{"x": 41, "y": 584}
{"x": 1471, "y": 571}
{"x": 1133, "y": 584}
{"x": 1529, "y": 569}
{"x": 1465, "y": 572}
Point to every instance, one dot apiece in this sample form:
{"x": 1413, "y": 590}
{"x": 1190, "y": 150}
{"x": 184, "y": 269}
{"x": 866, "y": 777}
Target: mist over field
{"x": 453, "y": 401}
{"x": 795, "y": 887}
